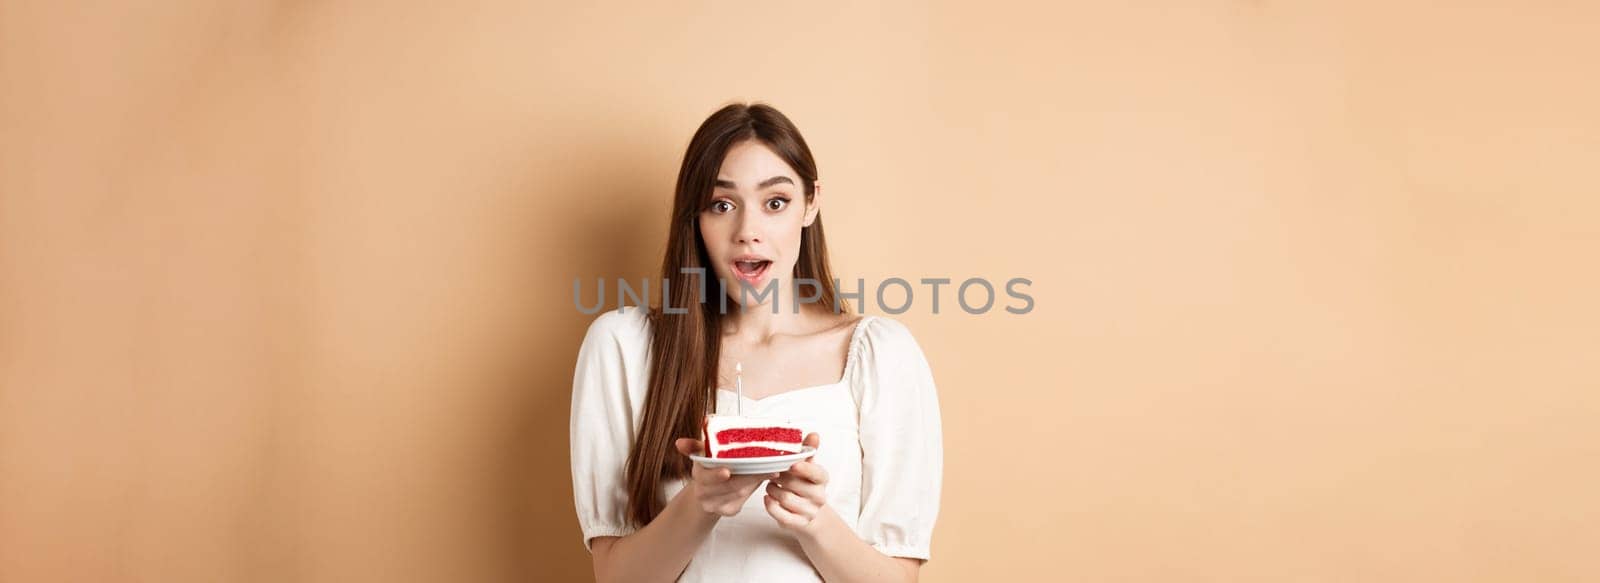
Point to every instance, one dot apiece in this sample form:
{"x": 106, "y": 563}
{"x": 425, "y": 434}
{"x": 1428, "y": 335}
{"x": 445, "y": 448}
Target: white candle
{"x": 738, "y": 386}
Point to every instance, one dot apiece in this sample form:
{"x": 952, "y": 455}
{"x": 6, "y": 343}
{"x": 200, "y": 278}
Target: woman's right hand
{"x": 717, "y": 490}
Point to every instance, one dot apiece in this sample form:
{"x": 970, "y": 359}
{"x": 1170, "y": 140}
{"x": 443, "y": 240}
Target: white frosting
{"x": 789, "y": 446}
{"x": 716, "y": 423}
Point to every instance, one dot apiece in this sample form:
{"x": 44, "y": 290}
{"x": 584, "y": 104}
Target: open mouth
{"x": 751, "y": 271}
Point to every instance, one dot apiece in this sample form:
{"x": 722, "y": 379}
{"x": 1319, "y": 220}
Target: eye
{"x": 720, "y": 207}
{"x": 777, "y": 204}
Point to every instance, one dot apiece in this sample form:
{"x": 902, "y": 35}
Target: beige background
{"x": 285, "y": 287}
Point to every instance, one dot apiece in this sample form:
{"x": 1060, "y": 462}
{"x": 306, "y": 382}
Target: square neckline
{"x": 849, "y": 364}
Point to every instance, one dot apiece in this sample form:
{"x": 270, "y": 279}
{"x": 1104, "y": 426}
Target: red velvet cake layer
{"x": 750, "y": 452}
{"x": 749, "y": 434}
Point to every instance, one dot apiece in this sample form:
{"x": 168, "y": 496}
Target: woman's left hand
{"x": 797, "y": 496}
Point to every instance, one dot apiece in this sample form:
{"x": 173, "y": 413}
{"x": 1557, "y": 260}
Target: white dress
{"x": 880, "y": 442}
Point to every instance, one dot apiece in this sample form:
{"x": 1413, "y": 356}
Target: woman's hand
{"x": 717, "y": 490}
{"x": 797, "y": 496}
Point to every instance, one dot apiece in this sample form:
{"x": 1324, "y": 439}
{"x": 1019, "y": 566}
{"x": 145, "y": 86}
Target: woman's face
{"x": 751, "y": 228}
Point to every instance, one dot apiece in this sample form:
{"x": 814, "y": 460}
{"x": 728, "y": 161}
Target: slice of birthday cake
{"x": 732, "y": 436}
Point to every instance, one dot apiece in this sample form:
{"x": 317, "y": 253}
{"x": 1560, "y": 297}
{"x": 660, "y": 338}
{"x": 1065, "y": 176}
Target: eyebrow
{"x": 765, "y": 183}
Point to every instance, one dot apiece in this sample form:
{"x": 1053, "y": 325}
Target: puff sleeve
{"x": 605, "y": 385}
{"x": 902, "y": 447}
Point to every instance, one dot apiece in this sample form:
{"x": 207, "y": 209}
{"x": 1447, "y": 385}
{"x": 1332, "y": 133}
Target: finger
{"x": 687, "y": 446}
{"x": 808, "y": 471}
{"x": 811, "y": 489}
{"x": 795, "y": 500}
{"x": 814, "y": 440}
{"x": 707, "y": 475}
{"x": 721, "y": 483}
{"x": 792, "y": 501}
{"x": 813, "y": 492}
{"x": 794, "y": 482}
{"x": 780, "y": 514}
{"x": 735, "y": 491}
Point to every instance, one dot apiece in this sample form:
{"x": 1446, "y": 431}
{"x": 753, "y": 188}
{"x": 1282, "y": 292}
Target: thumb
{"x": 812, "y": 440}
{"x": 687, "y": 446}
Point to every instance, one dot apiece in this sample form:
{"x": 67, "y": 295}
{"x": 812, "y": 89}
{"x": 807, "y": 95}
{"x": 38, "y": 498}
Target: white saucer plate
{"x": 756, "y": 465}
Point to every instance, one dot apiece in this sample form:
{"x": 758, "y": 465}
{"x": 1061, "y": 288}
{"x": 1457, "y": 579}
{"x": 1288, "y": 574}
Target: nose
{"x": 749, "y": 230}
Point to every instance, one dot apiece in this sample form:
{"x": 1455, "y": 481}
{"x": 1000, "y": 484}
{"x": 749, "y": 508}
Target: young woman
{"x": 746, "y": 212}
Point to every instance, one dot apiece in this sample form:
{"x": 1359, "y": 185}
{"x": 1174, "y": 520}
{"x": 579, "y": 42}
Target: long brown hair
{"x": 684, "y": 348}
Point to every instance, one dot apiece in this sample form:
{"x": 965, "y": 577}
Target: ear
{"x": 814, "y": 205}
